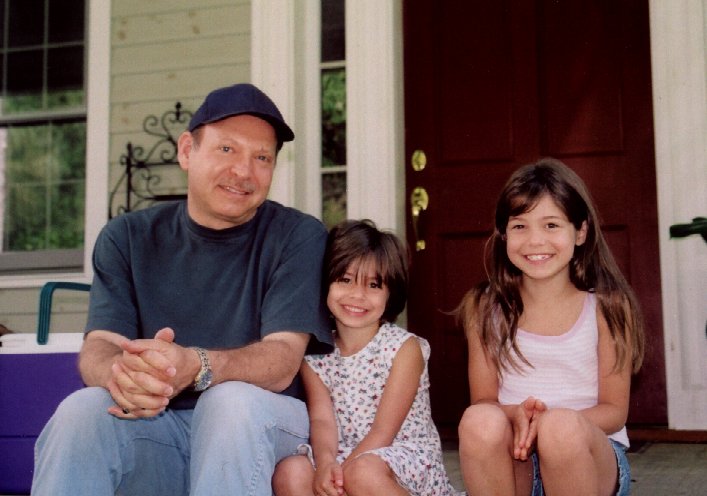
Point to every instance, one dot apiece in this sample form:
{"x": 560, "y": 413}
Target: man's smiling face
{"x": 230, "y": 165}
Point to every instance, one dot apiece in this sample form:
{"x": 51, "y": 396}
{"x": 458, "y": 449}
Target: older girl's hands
{"x": 525, "y": 429}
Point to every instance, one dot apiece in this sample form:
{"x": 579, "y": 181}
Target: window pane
{"x": 64, "y": 99}
{"x": 27, "y": 23}
{"x": 333, "y": 32}
{"x": 24, "y": 81}
{"x": 2, "y": 23}
{"x": 66, "y": 205}
{"x": 66, "y": 20}
{"x": 64, "y": 75}
{"x": 68, "y": 152}
{"x": 333, "y": 198}
{"x": 45, "y": 176}
{"x": 27, "y": 154}
{"x": 333, "y": 117}
{"x": 25, "y": 218}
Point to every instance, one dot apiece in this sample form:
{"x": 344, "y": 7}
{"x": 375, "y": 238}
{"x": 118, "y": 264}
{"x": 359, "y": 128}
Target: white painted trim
{"x": 678, "y": 51}
{"x": 272, "y": 70}
{"x": 375, "y": 120}
{"x": 97, "y": 146}
{"x": 285, "y": 53}
{"x": 308, "y": 144}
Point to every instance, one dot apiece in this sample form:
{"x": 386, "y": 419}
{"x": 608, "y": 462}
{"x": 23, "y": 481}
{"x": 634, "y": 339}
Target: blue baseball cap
{"x": 242, "y": 98}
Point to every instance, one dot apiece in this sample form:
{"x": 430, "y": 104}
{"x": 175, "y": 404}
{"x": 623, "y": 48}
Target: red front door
{"x": 493, "y": 85}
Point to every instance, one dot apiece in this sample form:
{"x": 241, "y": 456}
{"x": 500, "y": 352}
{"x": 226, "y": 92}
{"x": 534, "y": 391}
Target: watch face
{"x": 204, "y": 381}
{"x": 208, "y": 376}
{"x": 205, "y": 376}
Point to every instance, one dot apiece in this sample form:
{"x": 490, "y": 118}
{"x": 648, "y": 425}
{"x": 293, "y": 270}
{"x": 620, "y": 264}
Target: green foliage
{"x": 45, "y": 186}
{"x": 334, "y": 198}
{"x": 333, "y": 117}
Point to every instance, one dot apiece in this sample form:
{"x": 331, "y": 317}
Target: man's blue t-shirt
{"x": 157, "y": 268}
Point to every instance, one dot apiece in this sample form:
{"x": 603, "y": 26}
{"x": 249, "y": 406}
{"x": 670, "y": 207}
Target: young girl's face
{"x": 541, "y": 242}
{"x": 357, "y": 299}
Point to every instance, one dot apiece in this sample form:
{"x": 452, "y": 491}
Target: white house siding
{"x": 19, "y": 310}
{"x": 162, "y": 51}
{"x": 169, "y": 51}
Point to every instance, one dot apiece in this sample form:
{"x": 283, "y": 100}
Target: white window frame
{"x": 285, "y": 58}
{"x": 97, "y": 146}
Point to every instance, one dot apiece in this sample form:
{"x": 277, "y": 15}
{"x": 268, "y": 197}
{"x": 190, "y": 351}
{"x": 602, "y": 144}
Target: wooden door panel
{"x": 490, "y": 86}
{"x": 450, "y": 355}
{"x": 469, "y": 62}
{"x": 580, "y": 77}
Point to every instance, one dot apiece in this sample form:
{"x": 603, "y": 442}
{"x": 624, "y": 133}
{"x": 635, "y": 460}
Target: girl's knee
{"x": 293, "y": 475}
{"x": 483, "y": 425}
{"x": 562, "y": 432}
{"x": 364, "y": 474}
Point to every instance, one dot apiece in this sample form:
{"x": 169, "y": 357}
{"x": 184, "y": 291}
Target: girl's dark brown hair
{"x": 494, "y": 307}
{"x": 356, "y": 241}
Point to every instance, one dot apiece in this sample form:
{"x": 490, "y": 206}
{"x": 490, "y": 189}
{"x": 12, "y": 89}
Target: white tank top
{"x": 565, "y": 368}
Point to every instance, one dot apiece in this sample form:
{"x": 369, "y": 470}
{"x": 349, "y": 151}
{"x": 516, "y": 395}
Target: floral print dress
{"x": 356, "y": 384}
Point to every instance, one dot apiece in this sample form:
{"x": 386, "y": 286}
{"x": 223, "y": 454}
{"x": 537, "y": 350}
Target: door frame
{"x": 678, "y": 67}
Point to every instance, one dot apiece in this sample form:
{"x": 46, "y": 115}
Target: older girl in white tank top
{"x": 553, "y": 338}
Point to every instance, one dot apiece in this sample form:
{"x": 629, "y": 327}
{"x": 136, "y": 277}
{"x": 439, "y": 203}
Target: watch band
{"x": 204, "y": 377}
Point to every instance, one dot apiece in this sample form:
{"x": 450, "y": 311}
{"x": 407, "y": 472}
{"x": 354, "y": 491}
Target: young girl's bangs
{"x": 363, "y": 264}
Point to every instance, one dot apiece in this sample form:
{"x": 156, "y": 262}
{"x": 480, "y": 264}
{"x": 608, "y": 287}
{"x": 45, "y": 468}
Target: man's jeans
{"x": 229, "y": 444}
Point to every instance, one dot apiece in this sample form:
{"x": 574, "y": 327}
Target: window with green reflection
{"x": 42, "y": 129}
{"x": 333, "y": 87}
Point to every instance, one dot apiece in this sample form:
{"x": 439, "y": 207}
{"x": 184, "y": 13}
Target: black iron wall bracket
{"x": 139, "y": 179}
{"x": 697, "y": 226}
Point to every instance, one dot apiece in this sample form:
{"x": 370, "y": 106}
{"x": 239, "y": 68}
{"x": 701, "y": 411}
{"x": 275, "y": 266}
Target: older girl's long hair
{"x": 494, "y": 307}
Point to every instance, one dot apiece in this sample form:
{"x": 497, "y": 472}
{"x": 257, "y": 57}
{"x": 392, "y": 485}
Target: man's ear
{"x": 582, "y": 234}
{"x": 185, "y": 145}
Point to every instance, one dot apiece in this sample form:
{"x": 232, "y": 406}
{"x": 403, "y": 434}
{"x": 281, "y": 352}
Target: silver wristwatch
{"x": 204, "y": 377}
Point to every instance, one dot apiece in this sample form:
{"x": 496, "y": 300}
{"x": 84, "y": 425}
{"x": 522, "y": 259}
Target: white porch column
{"x": 273, "y": 71}
{"x": 375, "y": 120}
{"x": 679, "y": 54}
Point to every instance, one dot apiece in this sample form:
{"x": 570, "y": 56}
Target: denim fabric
{"x": 624, "y": 482}
{"x": 229, "y": 444}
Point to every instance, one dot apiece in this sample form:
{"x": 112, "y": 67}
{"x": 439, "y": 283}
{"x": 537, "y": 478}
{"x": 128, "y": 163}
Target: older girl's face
{"x": 541, "y": 241}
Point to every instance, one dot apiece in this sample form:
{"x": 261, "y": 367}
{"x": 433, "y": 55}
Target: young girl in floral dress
{"x": 371, "y": 427}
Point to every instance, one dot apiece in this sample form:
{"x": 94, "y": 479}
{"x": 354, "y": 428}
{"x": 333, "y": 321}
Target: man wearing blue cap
{"x": 199, "y": 316}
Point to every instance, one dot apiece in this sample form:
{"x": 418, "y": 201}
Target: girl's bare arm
{"x": 322, "y": 432}
{"x": 398, "y": 396}
{"x": 614, "y": 385}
